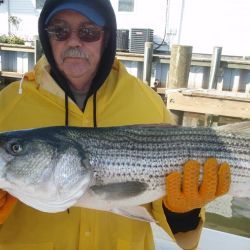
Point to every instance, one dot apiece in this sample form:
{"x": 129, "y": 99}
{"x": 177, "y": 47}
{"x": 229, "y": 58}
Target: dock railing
{"x": 199, "y": 90}
{"x": 211, "y": 101}
{"x": 207, "y": 85}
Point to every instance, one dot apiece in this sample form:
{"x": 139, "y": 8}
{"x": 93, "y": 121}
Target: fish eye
{"x": 15, "y": 148}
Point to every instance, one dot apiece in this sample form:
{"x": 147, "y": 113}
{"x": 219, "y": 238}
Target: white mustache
{"x": 75, "y": 52}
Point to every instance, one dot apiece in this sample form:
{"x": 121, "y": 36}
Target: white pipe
{"x": 181, "y": 21}
{"x": 167, "y": 14}
{"x": 8, "y": 8}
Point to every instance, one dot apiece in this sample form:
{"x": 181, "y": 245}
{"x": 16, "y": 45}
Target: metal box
{"x": 138, "y": 39}
{"x": 122, "y": 40}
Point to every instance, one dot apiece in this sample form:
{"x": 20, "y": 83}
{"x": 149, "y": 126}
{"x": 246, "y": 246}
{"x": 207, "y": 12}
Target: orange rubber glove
{"x": 186, "y": 195}
{"x": 7, "y": 203}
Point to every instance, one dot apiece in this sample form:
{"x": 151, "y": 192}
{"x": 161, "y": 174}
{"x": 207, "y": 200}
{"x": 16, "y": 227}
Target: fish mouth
{"x": 58, "y": 202}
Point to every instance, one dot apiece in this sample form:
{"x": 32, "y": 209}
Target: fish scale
{"x": 158, "y": 143}
{"x": 123, "y": 165}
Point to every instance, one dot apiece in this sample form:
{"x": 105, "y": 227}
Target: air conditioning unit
{"x": 122, "y": 40}
{"x": 138, "y": 38}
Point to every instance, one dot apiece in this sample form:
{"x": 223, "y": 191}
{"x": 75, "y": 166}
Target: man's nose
{"x": 74, "y": 40}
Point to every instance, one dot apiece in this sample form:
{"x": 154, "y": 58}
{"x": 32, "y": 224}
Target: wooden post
{"x": 180, "y": 61}
{"x": 147, "y": 65}
{"x": 213, "y": 81}
{"x": 215, "y": 66}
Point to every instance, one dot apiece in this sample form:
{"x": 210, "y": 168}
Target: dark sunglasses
{"x": 86, "y": 32}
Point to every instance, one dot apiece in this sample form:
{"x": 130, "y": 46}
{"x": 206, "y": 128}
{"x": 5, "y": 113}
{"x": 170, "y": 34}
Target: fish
{"x": 115, "y": 169}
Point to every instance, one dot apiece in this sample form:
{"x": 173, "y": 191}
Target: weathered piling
{"x": 147, "y": 63}
{"x": 180, "y": 61}
{"x": 214, "y": 69}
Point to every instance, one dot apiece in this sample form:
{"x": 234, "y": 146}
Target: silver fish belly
{"x": 121, "y": 166}
{"x": 145, "y": 155}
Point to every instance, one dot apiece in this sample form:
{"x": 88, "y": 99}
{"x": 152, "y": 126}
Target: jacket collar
{"x": 45, "y": 80}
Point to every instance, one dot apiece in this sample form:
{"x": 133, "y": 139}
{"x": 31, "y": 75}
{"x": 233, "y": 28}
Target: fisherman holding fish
{"x": 80, "y": 83}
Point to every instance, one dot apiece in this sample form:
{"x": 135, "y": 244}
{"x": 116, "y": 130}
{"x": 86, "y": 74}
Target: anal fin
{"x": 136, "y": 213}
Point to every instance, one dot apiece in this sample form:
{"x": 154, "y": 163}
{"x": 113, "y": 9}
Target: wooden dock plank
{"x": 16, "y": 48}
{"x": 206, "y": 103}
{"x": 11, "y": 74}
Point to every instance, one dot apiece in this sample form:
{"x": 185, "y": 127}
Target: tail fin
{"x": 238, "y": 127}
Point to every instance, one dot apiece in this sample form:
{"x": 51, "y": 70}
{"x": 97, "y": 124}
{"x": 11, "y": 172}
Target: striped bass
{"x": 54, "y": 168}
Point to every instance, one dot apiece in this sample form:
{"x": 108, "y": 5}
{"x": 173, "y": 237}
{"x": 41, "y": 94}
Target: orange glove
{"x": 186, "y": 195}
{"x": 7, "y": 203}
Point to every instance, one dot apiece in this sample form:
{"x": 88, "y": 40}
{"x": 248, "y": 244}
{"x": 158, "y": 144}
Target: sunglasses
{"x": 86, "y": 32}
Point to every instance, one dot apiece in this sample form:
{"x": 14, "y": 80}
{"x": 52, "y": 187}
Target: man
{"x": 80, "y": 83}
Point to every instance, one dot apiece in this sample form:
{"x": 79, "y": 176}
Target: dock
{"x": 184, "y": 86}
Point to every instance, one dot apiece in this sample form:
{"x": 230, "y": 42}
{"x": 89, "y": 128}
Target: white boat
{"x": 210, "y": 240}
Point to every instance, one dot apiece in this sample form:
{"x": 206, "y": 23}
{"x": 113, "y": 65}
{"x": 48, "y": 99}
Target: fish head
{"x": 43, "y": 169}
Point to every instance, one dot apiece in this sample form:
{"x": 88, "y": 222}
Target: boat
{"x": 210, "y": 240}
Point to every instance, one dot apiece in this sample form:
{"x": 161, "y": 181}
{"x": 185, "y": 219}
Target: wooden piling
{"x": 147, "y": 63}
{"x": 214, "y": 69}
{"x": 180, "y": 61}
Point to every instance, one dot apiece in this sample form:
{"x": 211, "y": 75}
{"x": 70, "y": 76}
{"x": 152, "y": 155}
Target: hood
{"x": 105, "y": 10}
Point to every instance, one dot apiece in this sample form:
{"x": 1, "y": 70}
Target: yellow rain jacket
{"x": 39, "y": 102}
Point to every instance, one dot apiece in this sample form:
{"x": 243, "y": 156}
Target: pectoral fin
{"x": 121, "y": 190}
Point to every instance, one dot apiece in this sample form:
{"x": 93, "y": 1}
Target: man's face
{"x": 77, "y": 58}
